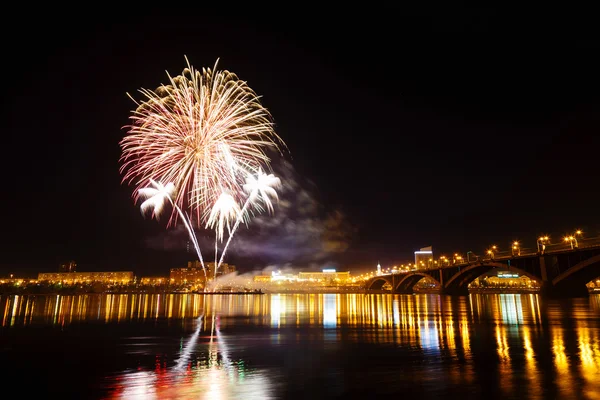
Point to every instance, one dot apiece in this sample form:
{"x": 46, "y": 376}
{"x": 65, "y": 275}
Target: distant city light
{"x": 329, "y": 271}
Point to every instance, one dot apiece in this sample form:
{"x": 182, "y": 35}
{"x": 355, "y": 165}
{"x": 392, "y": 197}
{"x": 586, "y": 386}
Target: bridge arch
{"x": 400, "y": 283}
{"x": 408, "y": 281}
{"x": 459, "y": 282}
{"x": 579, "y": 274}
{"x": 378, "y": 282}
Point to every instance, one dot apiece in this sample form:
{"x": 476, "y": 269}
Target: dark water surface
{"x": 305, "y": 346}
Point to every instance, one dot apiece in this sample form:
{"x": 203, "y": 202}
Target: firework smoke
{"x": 301, "y": 233}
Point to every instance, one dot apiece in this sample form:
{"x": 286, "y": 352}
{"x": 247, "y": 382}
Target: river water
{"x": 300, "y": 346}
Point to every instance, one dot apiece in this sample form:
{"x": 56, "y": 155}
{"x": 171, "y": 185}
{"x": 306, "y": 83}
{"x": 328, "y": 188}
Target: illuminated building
{"x": 69, "y": 278}
{"x": 194, "y": 264}
{"x": 327, "y": 276}
{"x": 17, "y": 281}
{"x": 277, "y": 276}
{"x": 378, "y": 269}
{"x": 508, "y": 279}
{"x": 70, "y": 266}
{"x": 262, "y": 278}
{"x": 224, "y": 269}
{"x": 504, "y": 279}
{"x": 154, "y": 280}
{"x": 194, "y": 274}
{"x": 186, "y": 275}
{"x": 424, "y": 258}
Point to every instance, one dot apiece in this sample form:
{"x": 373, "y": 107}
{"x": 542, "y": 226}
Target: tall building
{"x": 187, "y": 275}
{"x": 424, "y": 258}
{"x": 224, "y": 269}
{"x": 194, "y": 274}
{"x": 69, "y": 266}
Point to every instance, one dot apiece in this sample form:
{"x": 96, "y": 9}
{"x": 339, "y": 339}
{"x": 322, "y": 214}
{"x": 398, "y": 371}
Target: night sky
{"x": 451, "y": 128}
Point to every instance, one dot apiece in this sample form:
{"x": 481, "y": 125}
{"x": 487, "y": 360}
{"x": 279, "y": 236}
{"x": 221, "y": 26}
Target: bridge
{"x": 562, "y": 270}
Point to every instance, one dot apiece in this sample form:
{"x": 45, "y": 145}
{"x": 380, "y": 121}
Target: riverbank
{"x": 504, "y": 291}
{"x": 71, "y": 292}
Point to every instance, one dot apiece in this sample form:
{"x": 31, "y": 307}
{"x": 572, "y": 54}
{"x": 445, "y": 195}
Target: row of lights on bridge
{"x": 542, "y": 241}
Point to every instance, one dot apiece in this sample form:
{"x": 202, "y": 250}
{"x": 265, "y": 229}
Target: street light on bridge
{"x": 516, "y": 249}
{"x": 443, "y": 260}
{"x": 492, "y": 251}
{"x": 541, "y": 243}
{"x": 457, "y": 258}
{"x": 571, "y": 240}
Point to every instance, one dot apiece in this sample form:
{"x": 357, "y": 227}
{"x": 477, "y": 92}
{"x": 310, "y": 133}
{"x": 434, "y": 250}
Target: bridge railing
{"x": 550, "y": 249}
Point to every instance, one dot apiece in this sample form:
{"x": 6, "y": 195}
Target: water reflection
{"x": 212, "y": 374}
{"x": 235, "y": 346}
{"x": 275, "y": 310}
{"x": 329, "y": 310}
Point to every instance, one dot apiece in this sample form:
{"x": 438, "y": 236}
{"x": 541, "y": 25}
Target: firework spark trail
{"x": 155, "y": 198}
{"x": 226, "y": 359}
{"x": 223, "y": 212}
{"x": 215, "y": 331}
{"x": 201, "y": 132}
{"x": 259, "y": 188}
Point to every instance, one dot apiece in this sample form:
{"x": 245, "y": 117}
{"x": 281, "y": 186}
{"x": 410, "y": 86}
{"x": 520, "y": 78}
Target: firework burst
{"x": 225, "y": 211}
{"x": 203, "y": 132}
{"x": 155, "y": 197}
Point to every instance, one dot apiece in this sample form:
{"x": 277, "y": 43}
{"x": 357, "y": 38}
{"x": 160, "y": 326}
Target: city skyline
{"x": 432, "y": 130}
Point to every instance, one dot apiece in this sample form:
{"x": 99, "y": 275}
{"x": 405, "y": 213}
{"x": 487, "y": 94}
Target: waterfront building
{"x": 17, "y": 281}
{"x": 277, "y": 276}
{"x": 193, "y": 273}
{"x": 504, "y": 279}
{"x": 424, "y": 258}
{"x": 224, "y": 269}
{"x": 69, "y": 278}
{"x": 262, "y": 278}
{"x": 154, "y": 280}
{"x": 326, "y": 276}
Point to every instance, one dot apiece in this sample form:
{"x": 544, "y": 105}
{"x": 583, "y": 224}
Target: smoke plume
{"x": 301, "y": 232}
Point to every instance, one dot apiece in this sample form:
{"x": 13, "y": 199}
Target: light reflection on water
{"x": 270, "y": 346}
